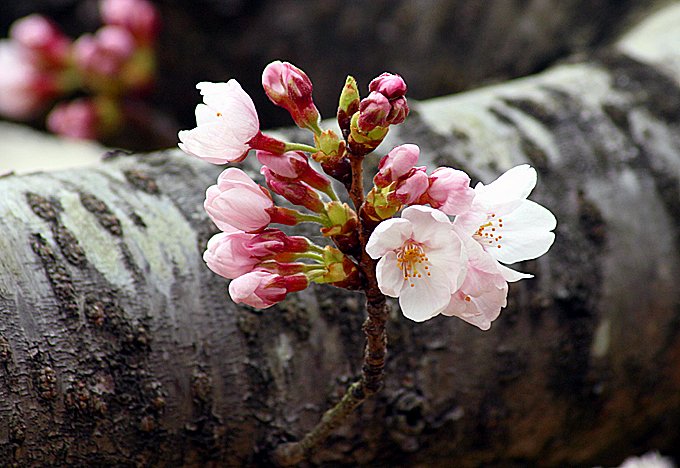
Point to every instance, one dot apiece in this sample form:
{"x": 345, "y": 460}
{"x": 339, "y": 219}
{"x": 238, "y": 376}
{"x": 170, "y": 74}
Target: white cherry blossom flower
{"x": 507, "y": 225}
{"x": 483, "y": 294}
{"x": 422, "y": 261}
{"x": 225, "y": 124}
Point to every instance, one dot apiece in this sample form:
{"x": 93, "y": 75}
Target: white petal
{"x": 526, "y": 233}
{"x": 234, "y": 104}
{"x": 389, "y": 235}
{"x": 511, "y": 275}
{"x": 390, "y": 278}
{"x": 450, "y": 261}
{"x": 205, "y": 114}
{"x": 468, "y": 223}
{"x": 426, "y": 298}
{"x": 515, "y": 184}
{"x": 212, "y": 142}
{"x": 430, "y": 226}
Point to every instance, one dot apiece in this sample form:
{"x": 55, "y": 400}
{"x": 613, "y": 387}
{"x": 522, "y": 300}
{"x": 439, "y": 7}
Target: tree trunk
{"x": 119, "y": 347}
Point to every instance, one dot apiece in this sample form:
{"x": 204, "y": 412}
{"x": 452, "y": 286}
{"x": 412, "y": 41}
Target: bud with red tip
{"x": 289, "y": 87}
{"x": 25, "y": 89}
{"x": 139, "y": 17}
{"x": 294, "y": 191}
{"x": 47, "y": 43}
{"x": 263, "y": 289}
{"x": 393, "y": 88}
{"x": 396, "y": 164}
{"x": 85, "y": 118}
{"x": 104, "y": 54}
{"x": 373, "y": 112}
{"x": 232, "y": 254}
{"x": 348, "y": 104}
{"x": 449, "y": 191}
{"x": 294, "y": 165}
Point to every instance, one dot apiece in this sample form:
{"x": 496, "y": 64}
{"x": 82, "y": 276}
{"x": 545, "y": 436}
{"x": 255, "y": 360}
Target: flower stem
{"x": 375, "y": 350}
{"x": 311, "y": 255}
{"x": 300, "y": 147}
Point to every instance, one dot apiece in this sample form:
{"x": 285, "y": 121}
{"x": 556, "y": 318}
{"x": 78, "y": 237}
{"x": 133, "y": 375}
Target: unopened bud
{"x": 348, "y": 105}
{"x": 289, "y": 87}
{"x": 331, "y": 146}
{"x": 398, "y": 112}
{"x": 43, "y": 38}
{"x": 396, "y": 164}
{"x": 103, "y": 54}
{"x": 390, "y": 85}
{"x": 361, "y": 143}
{"x": 85, "y": 119}
{"x": 293, "y": 191}
{"x": 139, "y": 17}
{"x": 342, "y": 219}
{"x": 25, "y": 89}
{"x": 373, "y": 112}
{"x": 411, "y": 188}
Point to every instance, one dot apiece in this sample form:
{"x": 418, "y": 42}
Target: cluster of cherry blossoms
{"x": 444, "y": 254}
{"x": 41, "y": 65}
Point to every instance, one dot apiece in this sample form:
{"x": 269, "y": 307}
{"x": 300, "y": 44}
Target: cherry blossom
{"x": 263, "y": 289}
{"x": 422, "y": 261}
{"x": 506, "y": 224}
{"x": 235, "y": 253}
{"x": 289, "y": 87}
{"x": 140, "y": 17}
{"x": 396, "y": 164}
{"x": 449, "y": 191}
{"x": 236, "y": 201}
{"x": 226, "y": 123}
{"x": 42, "y": 37}
{"x": 483, "y": 293}
{"x": 75, "y": 119}
{"x": 24, "y": 89}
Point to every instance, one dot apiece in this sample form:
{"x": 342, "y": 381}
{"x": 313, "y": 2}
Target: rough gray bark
{"x": 118, "y": 347}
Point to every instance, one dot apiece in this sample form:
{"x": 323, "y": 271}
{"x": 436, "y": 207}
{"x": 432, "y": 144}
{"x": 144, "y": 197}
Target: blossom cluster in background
{"x": 445, "y": 253}
{"x": 81, "y": 84}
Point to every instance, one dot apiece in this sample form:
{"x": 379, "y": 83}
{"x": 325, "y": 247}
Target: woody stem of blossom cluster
{"x": 372, "y": 371}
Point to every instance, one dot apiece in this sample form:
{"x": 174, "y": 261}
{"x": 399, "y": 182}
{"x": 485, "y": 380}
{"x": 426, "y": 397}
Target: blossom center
{"x": 413, "y": 262}
{"x": 489, "y": 233}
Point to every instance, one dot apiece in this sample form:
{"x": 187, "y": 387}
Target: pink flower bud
{"x": 24, "y": 89}
{"x": 42, "y": 37}
{"x": 373, "y": 112}
{"x": 227, "y": 255}
{"x": 396, "y": 164}
{"x": 289, "y": 87}
{"x": 398, "y": 112}
{"x": 262, "y": 289}
{"x": 411, "y": 188}
{"x": 106, "y": 52}
{"x": 293, "y": 191}
{"x": 139, "y": 17}
{"x": 290, "y": 164}
{"x": 238, "y": 202}
{"x": 389, "y": 85}
{"x": 450, "y": 191}
{"x": 294, "y": 165}
{"x": 76, "y": 119}
{"x": 232, "y": 254}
